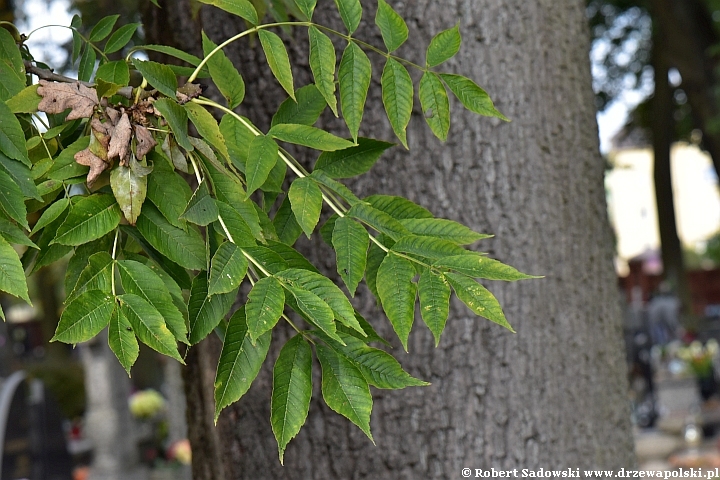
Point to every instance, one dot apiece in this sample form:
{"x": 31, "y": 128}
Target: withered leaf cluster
{"x": 111, "y": 138}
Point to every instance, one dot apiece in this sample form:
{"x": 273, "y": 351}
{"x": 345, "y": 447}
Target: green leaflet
{"x": 277, "y": 58}
{"x": 398, "y": 207}
{"x": 79, "y": 261}
{"x": 379, "y": 368}
{"x": 168, "y": 280}
{"x": 206, "y": 312}
{"x": 207, "y": 127}
{"x": 25, "y": 101}
{"x": 305, "y": 109}
{"x": 351, "y": 242}
{"x": 392, "y": 27}
{"x": 21, "y": 175}
{"x": 292, "y": 390}
{"x": 479, "y": 266}
{"x": 322, "y": 64}
{"x": 471, "y": 95}
{"x": 177, "y": 119}
{"x": 159, "y": 76}
{"x": 264, "y": 307}
{"x": 90, "y": 218}
{"x": 12, "y": 138}
{"x": 65, "y": 166}
{"x": 344, "y": 388}
{"x": 174, "y": 52}
{"x": 478, "y": 299}
{"x": 370, "y": 334}
{"x": 187, "y": 249}
{"x": 270, "y": 261}
{"x": 103, "y": 28}
{"x": 327, "y": 228}
{"x": 149, "y": 325}
{"x": 434, "y": 293}
{"x": 443, "y": 46}
{"x": 353, "y": 161}
{"x": 12, "y": 70}
{"x": 228, "y": 269}
{"x": 435, "y": 105}
{"x": 121, "y": 37}
{"x": 84, "y": 317}
{"x": 122, "y": 341}
{"x": 350, "y": 12}
{"x": 224, "y": 74}
{"x": 379, "y": 220}
{"x": 262, "y": 157}
{"x": 237, "y": 139}
{"x": 354, "y": 75}
{"x": 141, "y": 280}
{"x": 326, "y": 290}
{"x": 428, "y": 247}
{"x": 12, "y": 233}
{"x": 201, "y": 208}
{"x": 87, "y": 64}
{"x": 12, "y": 201}
{"x": 130, "y": 191}
{"x": 95, "y": 276}
{"x": 116, "y": 72}
{"x": 309, "y": 137}
{"x": 397, "y": 95}
{"x": 442, "y": 228}
{"x": 397, "y": 294}
{"x": 239, "y": 362}
{"x": 170, "y": 194}
{"x": 338, "y": 188}
{"x": 287, "y": 228}
{"x": 313, "y": 309}
{"x": 292, "y": 257}
{"x": 236, "y": 224}
{"x": 241, "y": 8}
{"x": 306, "y": 7}
{"x": 12, "y": 276}
{"x": 47, "y": 253}
{"x": 306, "y": 201}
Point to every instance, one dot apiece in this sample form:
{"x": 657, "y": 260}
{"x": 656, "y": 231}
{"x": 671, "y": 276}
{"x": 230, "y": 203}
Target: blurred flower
{"x": 699, "y": 357}
{"x": 146, "y": 403}
{"x": 180, "y": 451}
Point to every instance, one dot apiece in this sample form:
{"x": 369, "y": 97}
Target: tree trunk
{"x": 663, "y": 126}
{"x": 552, "y": 395}
{"x": 688, "y": 33}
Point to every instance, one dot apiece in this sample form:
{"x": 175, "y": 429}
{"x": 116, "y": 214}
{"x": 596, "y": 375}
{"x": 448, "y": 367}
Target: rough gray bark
{"x": 554, "y": 394}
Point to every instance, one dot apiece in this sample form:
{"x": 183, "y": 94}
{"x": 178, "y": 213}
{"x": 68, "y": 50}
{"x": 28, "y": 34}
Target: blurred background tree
{"x": 669, "y": 51}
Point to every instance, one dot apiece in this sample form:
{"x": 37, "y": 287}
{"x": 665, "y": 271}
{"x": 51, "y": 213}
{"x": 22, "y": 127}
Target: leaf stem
{"x": 112, "y": 271}
{"x": 238, "y": 37}
{"x": 348, "y": 38}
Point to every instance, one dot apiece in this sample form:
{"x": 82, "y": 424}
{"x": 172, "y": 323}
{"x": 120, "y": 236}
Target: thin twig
{"x": 46, "y": 74}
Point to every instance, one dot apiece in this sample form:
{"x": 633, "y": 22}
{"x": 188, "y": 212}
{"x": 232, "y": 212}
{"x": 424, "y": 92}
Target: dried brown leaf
{"x": 145, "y": 141}
{"x": 120, "y": 141}
{"x": 58, "y": 97}
{"x": 113, "y": 115}
{"x": 96, "y": 164}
